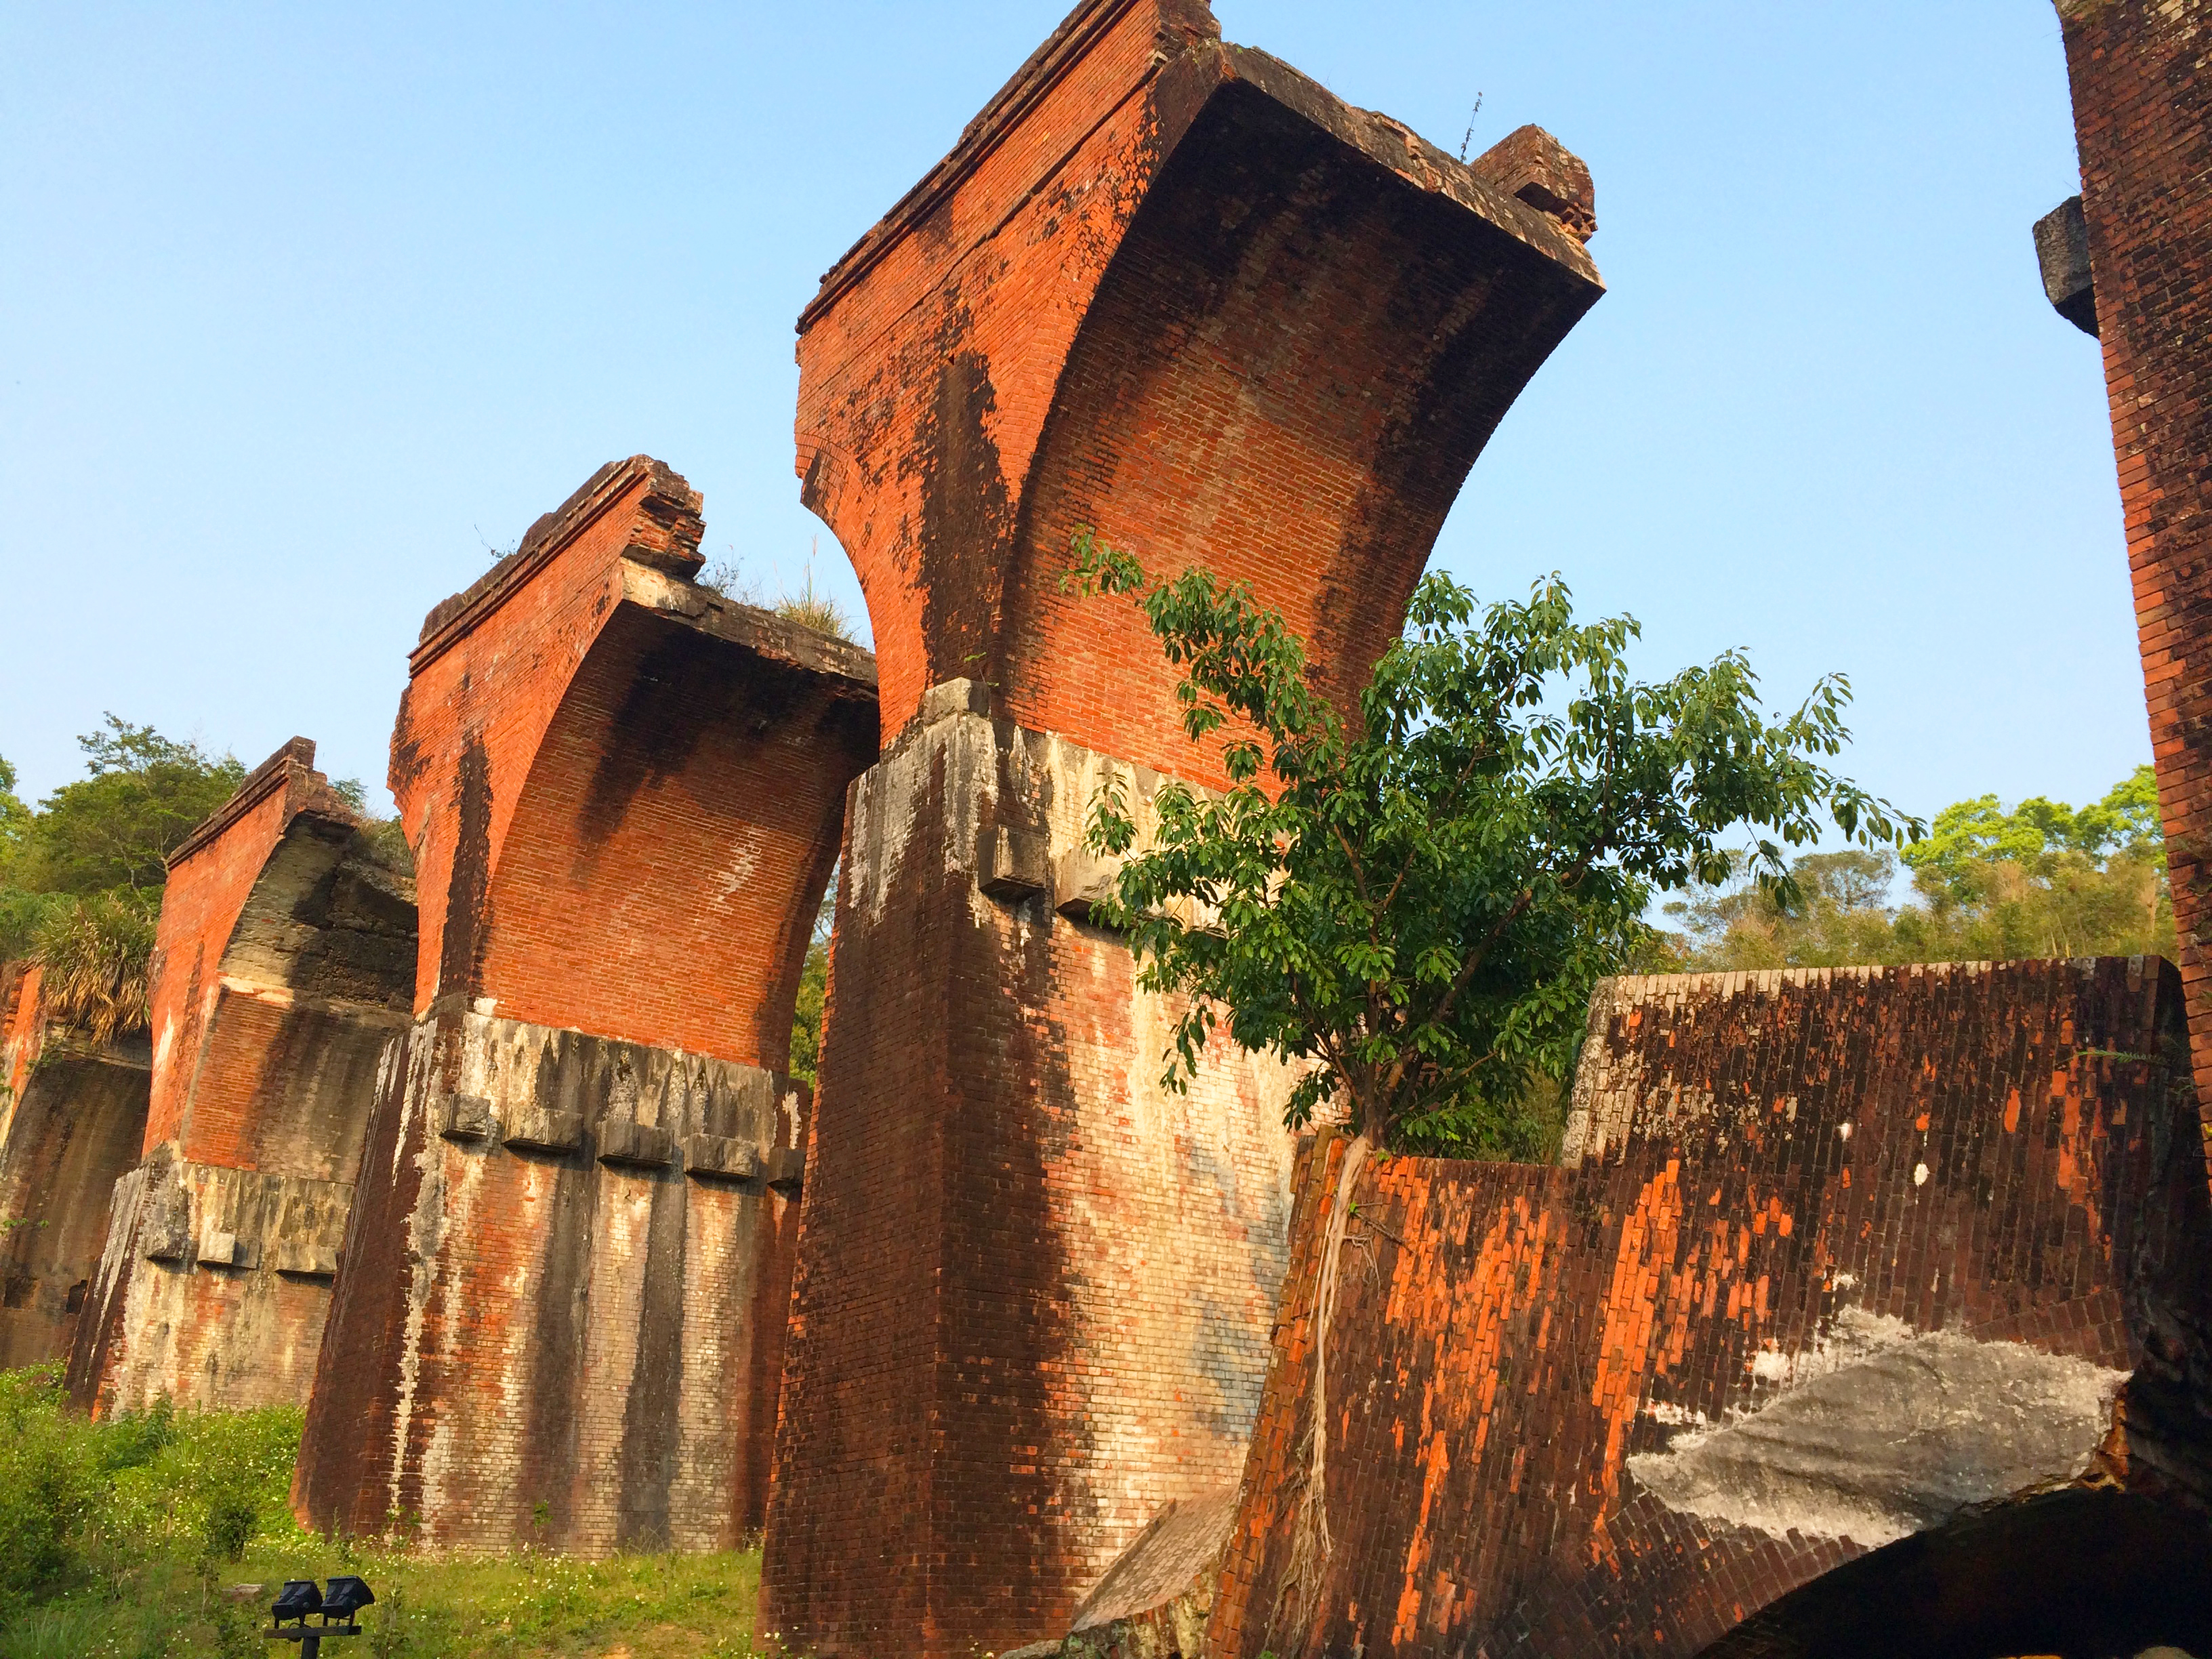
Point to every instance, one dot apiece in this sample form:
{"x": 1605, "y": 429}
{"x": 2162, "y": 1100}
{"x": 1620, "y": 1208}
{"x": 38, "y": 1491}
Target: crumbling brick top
{"x": 291, "y": 769}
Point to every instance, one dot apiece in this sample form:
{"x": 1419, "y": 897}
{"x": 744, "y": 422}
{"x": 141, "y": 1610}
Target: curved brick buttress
{"x": 1170, "y": 289}
{"x": 283, "y": 965}
{"x": 2142, "y": 121}
{"x": 1869, "y": 1310}
{"x": 72, "y": 1115}
{"x": 561, "y": 1312}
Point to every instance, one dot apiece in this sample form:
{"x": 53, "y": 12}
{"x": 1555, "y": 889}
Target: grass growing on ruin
{"x": 123, "y": 1539}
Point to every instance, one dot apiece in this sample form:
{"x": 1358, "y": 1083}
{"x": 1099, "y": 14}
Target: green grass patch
{"x": 126, "y": 1538}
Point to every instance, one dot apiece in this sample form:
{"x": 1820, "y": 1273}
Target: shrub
{"x": 98, "y": 954}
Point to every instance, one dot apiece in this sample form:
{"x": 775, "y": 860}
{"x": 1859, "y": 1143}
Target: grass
{"x": 123, "y": 1539}
{"x": 642, "y": 1606}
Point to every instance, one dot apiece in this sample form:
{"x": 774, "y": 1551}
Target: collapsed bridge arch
{"x": 561, "y": 1316}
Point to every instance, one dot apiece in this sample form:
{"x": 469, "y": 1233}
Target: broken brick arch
{"x": 562, "y": 1313}
{"x": 626, "y": 791}
{"x": 2083, "y": 1574}
{"x": 284, "y": 960}
{"x": 1170, "y": 288}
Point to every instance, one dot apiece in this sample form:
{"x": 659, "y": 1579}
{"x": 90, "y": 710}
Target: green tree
{"x": 2040, "y": 880}
{"x": 81, "y": 877}
{"x": 1415, "y": 908}
{"x": 111, "y": 831}
{"x": 813, "y": 992}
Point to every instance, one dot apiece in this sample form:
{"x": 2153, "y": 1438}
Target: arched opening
{"x": 2074, "y": 1575}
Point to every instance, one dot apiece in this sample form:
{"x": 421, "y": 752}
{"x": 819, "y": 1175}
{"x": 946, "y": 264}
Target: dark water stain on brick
{"x": 468, "y": 888}
{"x": 567, "y": 1081}
{"x": 674, "y": 691}
{"x": 966, "y": 516}
{"x": 650, "y": 1436}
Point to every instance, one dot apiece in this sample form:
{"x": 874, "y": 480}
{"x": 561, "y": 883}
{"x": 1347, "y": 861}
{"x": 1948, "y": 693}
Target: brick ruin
{"x": 2135, "y": 273}
{"x": 1170, "y": 289}
{"x": 72, "y": 1113}
{"x": 560, "y": 1312}
{"x": 1856, "y": 1295}
{"x": 283, "y": 965}
{"x": 1889, "y": 1288}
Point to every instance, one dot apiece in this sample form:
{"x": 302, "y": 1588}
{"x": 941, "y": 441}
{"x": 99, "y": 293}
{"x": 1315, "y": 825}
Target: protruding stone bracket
{"x": 950, "y": 697}
{"x": 468, "y": 1119}
{"x": 549, "y": 1132}
{"x": 1017, "y": 865}
{"x": 168, "y": 1224}
{"x": 315, "y": 1262}
{"x": 626, "y": 1144}
{"x": 718, "y": 1158}
{"x": 2062, "y": 250}
{"x": 219, "y": 1249}
{"x": 1084, "y": 881}
{"x": 786, "y": 1168}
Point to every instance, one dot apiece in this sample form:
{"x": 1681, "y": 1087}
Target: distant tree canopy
{"x": 2040, "y": 880}
{"x": 81, "y": 874}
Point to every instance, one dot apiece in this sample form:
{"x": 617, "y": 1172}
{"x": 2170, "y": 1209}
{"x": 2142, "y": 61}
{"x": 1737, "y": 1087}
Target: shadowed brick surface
{"x": 567, "y": 1270}
{"x": 71, "y": 1118}
{"x": 2140, "y": 106}
{"x": 284, "y": 963}
{"x": 1833, "y": 1258}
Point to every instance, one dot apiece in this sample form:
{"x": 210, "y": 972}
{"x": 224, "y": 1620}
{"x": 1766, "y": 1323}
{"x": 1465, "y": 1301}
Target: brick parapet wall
{"x": 211, "y": 878}
{"x": 2139, "y": 76}
{"x": 1035, "y": 1286}
{"x": 526, "y": 1316}
{"x": 1626, "y": 1405}
{"x": 1115, "y": 304}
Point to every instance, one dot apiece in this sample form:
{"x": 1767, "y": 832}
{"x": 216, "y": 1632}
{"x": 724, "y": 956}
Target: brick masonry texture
{"x": 1034, "y": 1289}
{"x": 284, "y": 962}
{"x": 522, "y": 1322}
{"x": 564, "y": 1278}
{"x": 1170, "y": 288}
{"x": 71, "y": 1118}
{"x": 1868, "y": 1310}
{"x": 2142, "y": 96}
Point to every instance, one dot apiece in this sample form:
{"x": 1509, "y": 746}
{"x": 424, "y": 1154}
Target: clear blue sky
{"x": 301, "y": 307}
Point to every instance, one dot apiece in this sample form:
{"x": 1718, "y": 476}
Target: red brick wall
{"x": 1982, "y": 1174}
{"x": 70, "y": 1120}
{"x": 1036, "y": 1286}
{"x": 2140, "y": 106}
{"x": 284, "y": 963}
{"x": 1172, "y": 289}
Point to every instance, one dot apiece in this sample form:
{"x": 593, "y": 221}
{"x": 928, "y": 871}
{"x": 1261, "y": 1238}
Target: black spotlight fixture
{"x": 335, "y": 1608}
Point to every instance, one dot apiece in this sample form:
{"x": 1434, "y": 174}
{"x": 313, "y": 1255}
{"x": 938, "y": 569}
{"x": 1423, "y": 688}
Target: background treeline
{"x": 1987, "y": 885}
{"x": 81, "y": 874}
